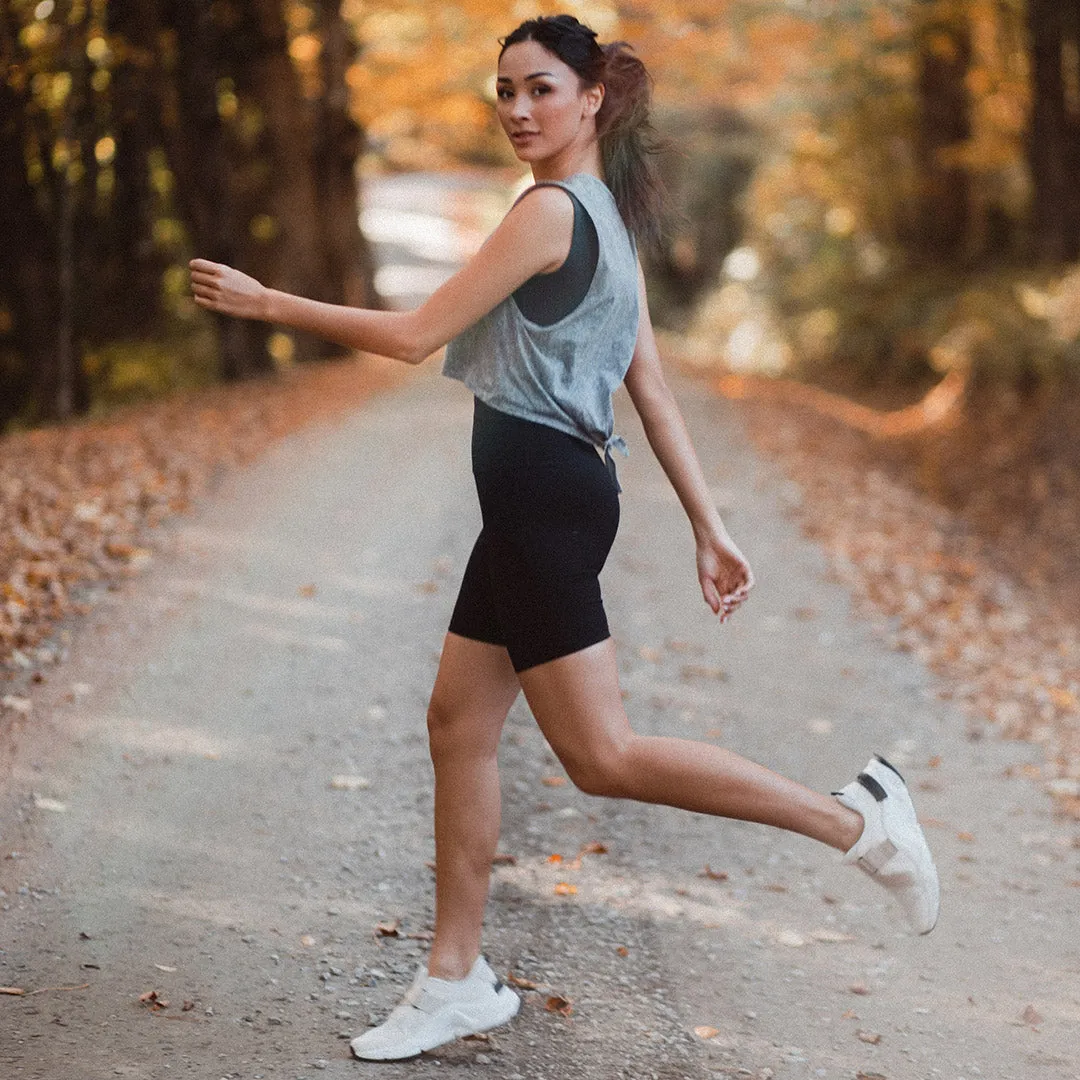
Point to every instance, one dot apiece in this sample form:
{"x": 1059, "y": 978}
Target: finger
{"x": 711, "y": 594}
{"x": 204, "y": 265}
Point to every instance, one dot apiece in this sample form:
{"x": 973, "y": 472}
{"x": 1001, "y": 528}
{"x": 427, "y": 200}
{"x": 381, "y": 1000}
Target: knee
{"x": 602, "y": 770}
{"x": 442, "y": 719}
{"x": 456, "y": 731}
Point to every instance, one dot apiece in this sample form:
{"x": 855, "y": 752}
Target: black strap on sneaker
{"x": 872, "y": 786}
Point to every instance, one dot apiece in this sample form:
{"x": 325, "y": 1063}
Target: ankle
{"x": 450, "y": 966}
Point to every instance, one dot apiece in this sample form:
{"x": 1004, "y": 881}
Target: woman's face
{"x": 541, "y": 103}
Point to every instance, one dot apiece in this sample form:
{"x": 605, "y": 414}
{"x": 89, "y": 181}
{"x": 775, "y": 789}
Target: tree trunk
{"x": 129, "y": 266}
{"x": 40, "y": 279}
{"x": 197, "y": 148}
{"x": 339, "y": 142}
{"x": 1054, "y": 142}
{"x": 28, "y": 283}
{"x": 944, "y": 54}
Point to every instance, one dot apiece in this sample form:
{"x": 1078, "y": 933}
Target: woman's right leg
{"x": 474, "y": 689}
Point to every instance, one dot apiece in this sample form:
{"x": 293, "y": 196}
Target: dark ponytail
{"x": 628, "y": 141}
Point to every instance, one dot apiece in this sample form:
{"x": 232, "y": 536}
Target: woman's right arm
{"x": 533, "y": 238}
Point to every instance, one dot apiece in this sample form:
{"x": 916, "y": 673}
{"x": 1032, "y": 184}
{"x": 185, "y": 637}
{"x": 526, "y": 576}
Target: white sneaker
{"x": 436, "y": 1011}
{"x": 892, "y": 848}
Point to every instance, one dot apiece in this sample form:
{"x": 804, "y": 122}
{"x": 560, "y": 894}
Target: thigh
{"x": 577, "y": 703}
{"x": 474, "y": 689}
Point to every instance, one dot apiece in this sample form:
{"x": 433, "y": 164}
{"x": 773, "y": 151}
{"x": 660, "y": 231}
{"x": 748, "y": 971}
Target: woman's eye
{"x": 538, "y": 90}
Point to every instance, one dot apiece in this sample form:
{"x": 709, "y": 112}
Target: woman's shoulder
{"x": 545, "y": 206}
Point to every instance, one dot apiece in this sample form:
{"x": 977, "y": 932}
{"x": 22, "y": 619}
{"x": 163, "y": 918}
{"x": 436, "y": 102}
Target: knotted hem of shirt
{"x": 616, "y": 442}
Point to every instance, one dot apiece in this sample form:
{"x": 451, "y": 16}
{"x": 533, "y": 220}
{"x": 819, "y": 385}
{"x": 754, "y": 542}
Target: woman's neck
{"x": 573, "y": 160}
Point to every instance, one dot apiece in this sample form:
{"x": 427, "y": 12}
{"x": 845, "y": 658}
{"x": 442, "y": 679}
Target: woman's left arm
{"x": 724, "y": 574}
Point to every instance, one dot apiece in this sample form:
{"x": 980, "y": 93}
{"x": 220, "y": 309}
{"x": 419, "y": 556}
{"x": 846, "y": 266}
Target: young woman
{"x": 542, "y": 325}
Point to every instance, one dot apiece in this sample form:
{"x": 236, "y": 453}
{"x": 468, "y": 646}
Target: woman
{"x": 542, "y": 325}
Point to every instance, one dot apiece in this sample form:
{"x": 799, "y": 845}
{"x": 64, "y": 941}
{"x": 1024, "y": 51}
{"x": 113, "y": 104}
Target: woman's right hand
{"x": 220, "y": 288}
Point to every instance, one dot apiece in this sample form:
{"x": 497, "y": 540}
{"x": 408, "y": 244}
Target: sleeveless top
{"x": 562, "y": 374}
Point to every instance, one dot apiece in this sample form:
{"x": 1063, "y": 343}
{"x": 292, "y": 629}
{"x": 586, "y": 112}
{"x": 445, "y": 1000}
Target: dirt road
{"x": 222, "y": 800}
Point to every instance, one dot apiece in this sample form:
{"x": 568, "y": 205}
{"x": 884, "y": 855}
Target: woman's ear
{"x": 594, "y": 98}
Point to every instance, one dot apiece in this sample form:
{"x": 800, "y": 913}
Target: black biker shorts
{"x": 550, "y": 511}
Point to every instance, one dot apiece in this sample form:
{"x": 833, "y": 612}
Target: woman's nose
{"x": 520, "y": 106}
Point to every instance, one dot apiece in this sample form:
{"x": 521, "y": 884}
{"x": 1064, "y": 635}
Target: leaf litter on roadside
{"x": 979, "y": 590}
{"x": 80, "y": 502}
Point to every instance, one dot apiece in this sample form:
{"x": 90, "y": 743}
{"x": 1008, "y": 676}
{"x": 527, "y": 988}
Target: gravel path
{"x": 222, "y": 801}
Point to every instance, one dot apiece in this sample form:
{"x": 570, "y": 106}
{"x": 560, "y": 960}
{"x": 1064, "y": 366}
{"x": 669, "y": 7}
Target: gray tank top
{"x": 563, "y": 374}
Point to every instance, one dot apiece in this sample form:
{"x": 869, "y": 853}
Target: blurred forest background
{"x": 870, "y": 193}
{"x": 876, "y": 245}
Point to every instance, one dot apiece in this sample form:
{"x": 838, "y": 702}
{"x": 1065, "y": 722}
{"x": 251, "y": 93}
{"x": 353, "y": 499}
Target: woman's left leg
{"x": 578, "y": 704}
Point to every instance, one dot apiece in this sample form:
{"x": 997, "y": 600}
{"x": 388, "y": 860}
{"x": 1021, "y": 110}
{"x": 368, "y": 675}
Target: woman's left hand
{"x": 725, "y": 575}
{"x": 228, "y": 291}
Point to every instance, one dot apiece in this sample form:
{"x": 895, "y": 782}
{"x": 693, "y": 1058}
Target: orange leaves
{"x": 949, "y": 578}
{"x": 153, "y": 1000}
{"x": 556, "y": 1003}
{"x": 712, "y": 875}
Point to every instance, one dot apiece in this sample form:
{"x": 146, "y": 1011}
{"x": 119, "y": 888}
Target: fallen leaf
{"x": 593, "y": 848}
{"x": 307, "y": 941}
{"x": 870, "y": 1076}
{"x": 564, "y": 888}
{"x": 713, "y": 875}
{"x": 859, "y": 988}
{"x": 622, "y": 950}
{"x": 388, "y": 929}
{"x": 187, "y": 1006}
{"x": 12, "y": 991}
{"x": 706, "y": 1032}
{"x": 154, "y": 1000}
{"x": 162, "y": 967}
{"x": 555, "y": 859}
{"x": 1031, "y": 1016}
{"x": 966, "y": 837}
{"x": 520, "y": 983}
{"x": 559, "y": 1004}
{"x": 553, "y": 781}
{"x": 870, "y": 1037}
{"x": 776, "y": 888}
{"x": 307, "y": 590}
